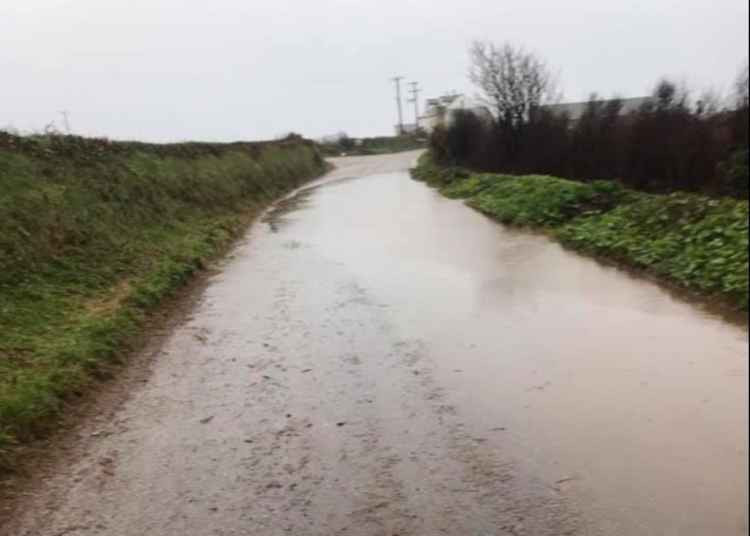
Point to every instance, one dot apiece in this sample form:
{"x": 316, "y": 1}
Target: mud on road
{"x": 376, "y": 360}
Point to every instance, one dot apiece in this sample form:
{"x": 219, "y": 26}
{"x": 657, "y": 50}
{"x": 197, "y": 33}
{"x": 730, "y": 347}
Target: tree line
{"x": 671, "y": 142}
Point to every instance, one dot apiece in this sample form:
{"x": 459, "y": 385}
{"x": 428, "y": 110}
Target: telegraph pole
{"x": 66, "y": 121}
{"x": 415, "y": 99}
{"x": 397, "y": 81}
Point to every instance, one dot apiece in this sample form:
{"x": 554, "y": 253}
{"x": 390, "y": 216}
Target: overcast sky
{"x": 167, "y": 70}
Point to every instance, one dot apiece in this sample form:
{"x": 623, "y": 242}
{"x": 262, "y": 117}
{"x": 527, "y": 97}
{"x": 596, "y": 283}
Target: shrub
{"x": 536, "y": 200}
{"x": 700, "y": 243}
{"x": 733, "y": 175}
{"x": 668, "y": 145}
{"x": 695, "y": 241}
{"x": 93, "y": 233}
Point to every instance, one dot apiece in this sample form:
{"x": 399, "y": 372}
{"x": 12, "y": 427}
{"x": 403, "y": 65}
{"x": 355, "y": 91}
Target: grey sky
{"x": 246, "y": 69}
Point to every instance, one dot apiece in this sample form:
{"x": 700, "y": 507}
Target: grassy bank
{"x": 93, "y": 234}
{"x": 696, "y": 242}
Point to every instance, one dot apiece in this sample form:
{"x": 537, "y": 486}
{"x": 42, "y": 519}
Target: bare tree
{"x": 669, "y": 95}
{"x": 513, "y": 82}
{"x": 741, "y": 87}
{"x": 710, "y": 102}
{"x": 740, "y": 120}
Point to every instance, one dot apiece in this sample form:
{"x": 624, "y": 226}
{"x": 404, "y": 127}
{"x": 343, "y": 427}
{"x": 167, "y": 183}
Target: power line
{"x": 415, "y": 99}
{"x": 397, "y": 81}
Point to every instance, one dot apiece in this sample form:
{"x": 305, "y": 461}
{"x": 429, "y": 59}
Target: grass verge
{"x": 94, "y": 234}
{"x": 692, "y": 241}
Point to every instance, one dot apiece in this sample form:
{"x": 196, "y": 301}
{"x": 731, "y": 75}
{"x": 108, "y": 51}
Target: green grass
{"x": 93, "y": 236}
{"x": 469, "y": 186}
{"x": 697, "y": 242}
{"x": 693, "y": 241}
{"x": 538, "y": 200}
{"x": 441, "y": 176}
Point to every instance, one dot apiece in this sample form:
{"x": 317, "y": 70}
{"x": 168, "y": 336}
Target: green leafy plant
{"x": 697, "y": 242}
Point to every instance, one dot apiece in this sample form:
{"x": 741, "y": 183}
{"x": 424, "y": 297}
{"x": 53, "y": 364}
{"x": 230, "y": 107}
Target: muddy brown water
{"x": 375, "y": 359}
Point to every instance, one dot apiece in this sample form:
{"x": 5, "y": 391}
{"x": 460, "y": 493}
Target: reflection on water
{"x": 617, "y": 393}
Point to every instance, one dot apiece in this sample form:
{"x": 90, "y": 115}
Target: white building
{"x": 441, "y": 110}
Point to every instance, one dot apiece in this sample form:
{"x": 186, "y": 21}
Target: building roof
{"x": 443, "y": 100}
{"x": 462, "y": 102}
{"x": 575, "y": 110}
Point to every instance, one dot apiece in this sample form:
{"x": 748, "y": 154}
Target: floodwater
{"x": 375, "y": 359}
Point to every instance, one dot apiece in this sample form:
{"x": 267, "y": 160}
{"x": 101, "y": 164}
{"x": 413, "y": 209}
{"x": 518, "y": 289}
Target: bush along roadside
{"x": 94, "y": 234}
{"x": 372, "y": 146}
{"x": 693, "y": 241}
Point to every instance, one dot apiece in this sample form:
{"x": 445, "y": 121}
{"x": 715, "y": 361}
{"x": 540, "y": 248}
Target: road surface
{"x": 374, "y": 359}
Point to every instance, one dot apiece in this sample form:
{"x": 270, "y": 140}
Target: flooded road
{"x": 375, "y": 359}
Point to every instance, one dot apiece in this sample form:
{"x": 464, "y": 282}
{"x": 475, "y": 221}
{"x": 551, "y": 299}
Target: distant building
{"x": 575, "y": 110}
{"x": 441, "y": 110}
{"x": 435, "y": 111}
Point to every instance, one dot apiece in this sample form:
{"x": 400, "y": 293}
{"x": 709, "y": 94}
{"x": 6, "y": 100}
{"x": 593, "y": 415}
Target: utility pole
{"x": 66, "y": 120}
{"x": 415, "y": 99}
{"x": 397, "y": 81}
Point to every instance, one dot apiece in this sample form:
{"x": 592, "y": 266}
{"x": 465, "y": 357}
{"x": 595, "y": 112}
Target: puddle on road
{"x": 625, "y": 398}
{"x": 277, "y": 215}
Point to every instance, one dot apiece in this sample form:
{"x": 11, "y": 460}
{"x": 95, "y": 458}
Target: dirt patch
{"x": 276, "y": 217}
{"x": 110, "y": 303}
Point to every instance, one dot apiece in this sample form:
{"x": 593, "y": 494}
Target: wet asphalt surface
{"x": 373, "y": 359}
